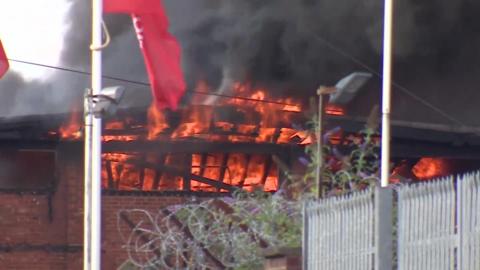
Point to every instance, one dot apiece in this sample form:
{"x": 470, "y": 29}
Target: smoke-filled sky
{"x": 291, "y": 47}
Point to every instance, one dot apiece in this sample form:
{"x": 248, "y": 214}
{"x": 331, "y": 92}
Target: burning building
{"x": 251, "y": 66}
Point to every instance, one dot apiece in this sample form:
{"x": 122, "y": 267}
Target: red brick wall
{"x": 40, "y": 243}
{"x": 113, "y": 254}
{"x": 27, "y": 233}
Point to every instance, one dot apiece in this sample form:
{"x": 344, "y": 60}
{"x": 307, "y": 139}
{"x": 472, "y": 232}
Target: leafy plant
{"x": 349, "y": 164}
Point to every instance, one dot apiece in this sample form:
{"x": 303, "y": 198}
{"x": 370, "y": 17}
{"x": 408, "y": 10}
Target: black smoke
{"x": 292, "y": 47}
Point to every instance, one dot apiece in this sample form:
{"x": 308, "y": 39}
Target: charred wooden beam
{"x": 203, "y": 164}
{"x": 266, "y": 169}
{"x": 156, "y": 180}
{"x": 184, "y": 173}
{"x": 223, "y": 168}
{"x": 196, "y": 147}
{"x": 276, "y": 135}
{"x": 118, "y": 169}
{"x": 158, "y": 174}
{"x": 108, "y": 167}
{"x": 245, "y": 173}
{"x": 142, "y": 172}
{"x": 186, "y": 179}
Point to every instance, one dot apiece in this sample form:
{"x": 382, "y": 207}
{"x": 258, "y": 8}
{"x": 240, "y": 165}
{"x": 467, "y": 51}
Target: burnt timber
{"x": 408, "y": 139}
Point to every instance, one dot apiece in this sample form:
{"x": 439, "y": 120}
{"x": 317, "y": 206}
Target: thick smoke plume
{"x": 291, "y": 47}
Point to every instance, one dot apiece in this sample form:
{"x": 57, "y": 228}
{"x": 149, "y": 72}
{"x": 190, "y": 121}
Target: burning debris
{"x": 251, "y": 119}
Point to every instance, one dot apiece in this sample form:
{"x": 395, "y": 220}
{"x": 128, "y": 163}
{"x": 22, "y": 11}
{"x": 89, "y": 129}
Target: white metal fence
{"x": 340, "y": 232}
{"x": 437, "y": 223}
{"x": 469, "y": 221}
{"x": 426, "y": 226}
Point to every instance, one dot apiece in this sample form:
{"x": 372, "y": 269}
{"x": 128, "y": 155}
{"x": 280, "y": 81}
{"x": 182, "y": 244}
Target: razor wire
{"x": 212, "y": 234}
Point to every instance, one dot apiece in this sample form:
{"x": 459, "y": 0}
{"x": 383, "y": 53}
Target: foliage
{"x": 350, "y": 164}
{"x": 233, "y": 230}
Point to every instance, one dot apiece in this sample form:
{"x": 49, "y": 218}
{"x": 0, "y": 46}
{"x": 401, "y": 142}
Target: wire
{"x": 375, "y": 72}
{"x": 147, "y": 84}
{"x": 317, "y": 37}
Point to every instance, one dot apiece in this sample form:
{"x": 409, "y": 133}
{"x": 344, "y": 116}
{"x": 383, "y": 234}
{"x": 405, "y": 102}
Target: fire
{"x": 116, "y": 167}
{"x": 157, "y": 122}
{"x": 72, "y": 129}
{"x": 117, "y": 126}
{"x": 332, "y": 109}
{"x": 197, "y": 120}
{"x": 428, "y": 168}
{"x": 252, "y": 116}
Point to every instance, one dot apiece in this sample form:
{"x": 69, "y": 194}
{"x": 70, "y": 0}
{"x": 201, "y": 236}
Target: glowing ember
{"x": 428, "y": 168}
{"x": 115, "y": 125}
{"x": 265, "y": 135}
{"x": 225, "y": 126}
{"x": 120, "y": 138}
{"x": 71, "y": 130}
{"x": 332, "y": 109}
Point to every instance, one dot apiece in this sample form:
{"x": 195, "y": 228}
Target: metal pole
{"x": 319, "y": 143}
{"x": 386, "y": 91}
{"x": 383, "y": 228}
{"x": 305, "y": 237}
{"x": 87, "y": 211}
{"x": 321, "y": 91}
{"x": 96, "y": 151}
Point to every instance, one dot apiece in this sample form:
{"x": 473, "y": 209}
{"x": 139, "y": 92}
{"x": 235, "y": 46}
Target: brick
{"x": 24, "y": 220}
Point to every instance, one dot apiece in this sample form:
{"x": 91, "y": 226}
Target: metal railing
{"x": 340, "y": 232}
{"x": 437, "y": 227}
{"x": 426, "y": 226}
{"x": 468, "y": 221}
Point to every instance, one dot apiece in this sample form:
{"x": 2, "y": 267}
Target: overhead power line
{"x": 144, "y": 83}
{"x": 331, "y": 46}
{"x": 357, "y": 61}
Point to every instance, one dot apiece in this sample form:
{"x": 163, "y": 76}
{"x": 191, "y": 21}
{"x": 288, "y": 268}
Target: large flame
{"x": 263, "y": 119}
{"x": 157, "y": 122}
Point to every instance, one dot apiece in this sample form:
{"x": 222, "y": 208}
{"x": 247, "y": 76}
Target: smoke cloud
{"x": 291, "y": 47}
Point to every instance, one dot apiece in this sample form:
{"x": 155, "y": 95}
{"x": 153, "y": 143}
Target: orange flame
{"x": 264, "y": 120}
{"x": 428, "y": 168}
{"x": 71, "y": 130}
{"x": 157, "y": 122}
{"x": 332, "y": 109}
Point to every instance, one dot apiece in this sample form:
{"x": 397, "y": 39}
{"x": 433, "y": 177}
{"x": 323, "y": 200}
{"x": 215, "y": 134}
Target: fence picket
{"x": 438, "y": 228}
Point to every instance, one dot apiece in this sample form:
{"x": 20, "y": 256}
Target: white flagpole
{"x": 87, "y": 211}
{"x": 386, "y": 91}
{"x": 87, "y": 194}
{"x": 93, "y": 150}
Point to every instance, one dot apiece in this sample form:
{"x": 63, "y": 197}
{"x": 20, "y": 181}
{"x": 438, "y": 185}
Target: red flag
{"x": 161, "y": 51}
{"x": 3, "y": 61}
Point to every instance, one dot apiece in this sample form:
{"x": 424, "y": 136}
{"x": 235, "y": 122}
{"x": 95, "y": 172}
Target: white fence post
{"x": 383, "y": 229}
{"x": 305, "y": 243}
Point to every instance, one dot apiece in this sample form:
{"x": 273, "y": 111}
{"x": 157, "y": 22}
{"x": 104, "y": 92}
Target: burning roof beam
{"x": 192, "y": 146}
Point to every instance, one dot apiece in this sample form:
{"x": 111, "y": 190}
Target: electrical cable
{"x": 376, "y": 73}
{"x": 316, "y": 36}
{"x": 146, "y": 84}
